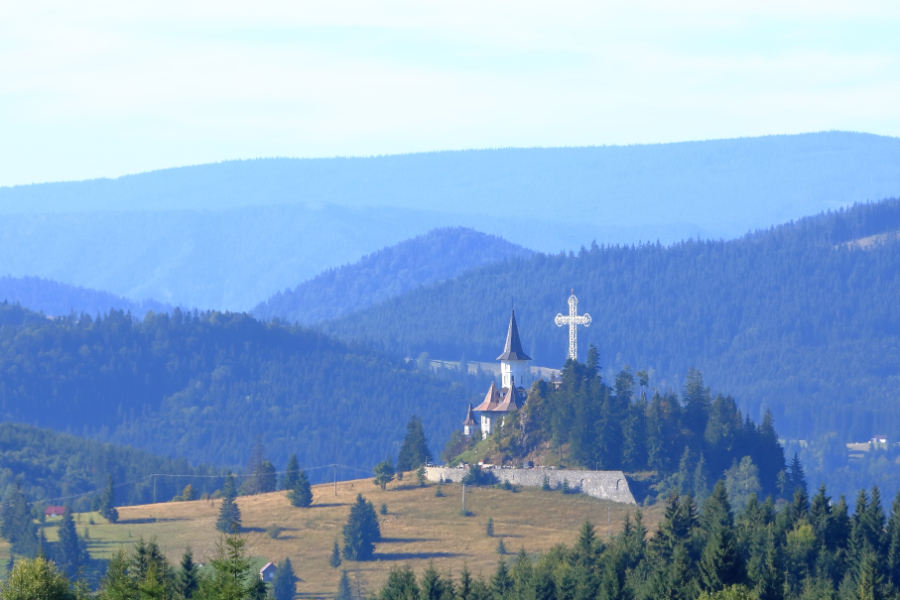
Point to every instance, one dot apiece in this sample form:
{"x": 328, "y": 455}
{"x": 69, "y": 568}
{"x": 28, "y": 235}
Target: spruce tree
{"x": 501, "y": 581}
{"x": 108, "y": 502}
{"x": 696, "y": 403}
{"x": 284, "y": 584}
{"x": 262, "y": 480}
{"x": 361, "y": 531}
{"x": 186, "y": 582}
{"x": 335, "y": 560}
{"x": 72, "y": 554}
{"x": 464, "y": 588}
{"x": 797, "y": 477}
{"x": 16, "y": 523}
{"x": 699, "y": 481}
{"x": 301, "y": 492}
{"x": 229, "y": 520}
{"x": 344, "y": 592}
{"x": 721, "y": 564}
{"x": 291, "y": 474}
{"x": 414, "y": 451}
{"x": 893, "y": 542}
{"x": 118, "y": 584}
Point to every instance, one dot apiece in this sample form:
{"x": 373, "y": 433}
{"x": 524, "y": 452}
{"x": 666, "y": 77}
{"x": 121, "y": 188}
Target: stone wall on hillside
{"x": 606, "y": 485}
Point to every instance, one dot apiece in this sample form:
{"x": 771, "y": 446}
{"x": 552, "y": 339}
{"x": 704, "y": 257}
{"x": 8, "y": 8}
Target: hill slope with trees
{"x": 438, "y": 255}
{"x": 790, "y": 319}
{"x": 59, "y": 468}
{"x": 204, "y": 386}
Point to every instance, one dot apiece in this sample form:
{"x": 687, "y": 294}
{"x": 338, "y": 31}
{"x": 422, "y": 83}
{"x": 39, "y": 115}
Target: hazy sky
{"x": 90, "y": 89}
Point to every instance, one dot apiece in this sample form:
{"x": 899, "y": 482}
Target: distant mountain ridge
{"x": 785, "y": 318}
{"x": 390, "y": 272}
{"x": 230, "y": 235}
{"x": 55, "y": 299}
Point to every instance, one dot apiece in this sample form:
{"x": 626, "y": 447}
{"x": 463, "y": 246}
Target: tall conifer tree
{"x": 229, "y": 520}
{"x": 284, "y": 584}
{"x": 291, "y": 473}
{"x": 301, "y": 492}
{"x": 414, "y": 451}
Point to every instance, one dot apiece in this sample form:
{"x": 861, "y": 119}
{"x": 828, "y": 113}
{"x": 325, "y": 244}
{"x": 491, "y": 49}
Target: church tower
{"x": 513, "y": 361}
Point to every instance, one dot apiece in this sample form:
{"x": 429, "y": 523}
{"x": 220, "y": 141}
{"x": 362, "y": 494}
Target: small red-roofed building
{"x": 54, "y": 511}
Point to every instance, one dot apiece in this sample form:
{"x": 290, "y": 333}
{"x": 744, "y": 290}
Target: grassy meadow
{"x": 418, "y": 528}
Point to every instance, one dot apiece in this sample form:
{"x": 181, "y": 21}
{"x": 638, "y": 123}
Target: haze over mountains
{"x": 231, "y": 235}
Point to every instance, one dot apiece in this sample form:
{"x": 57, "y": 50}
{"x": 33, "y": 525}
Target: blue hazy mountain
{"x": 55, "y": 299}
{"x": 230, "y": 235}
{"x": 440, "y": 254}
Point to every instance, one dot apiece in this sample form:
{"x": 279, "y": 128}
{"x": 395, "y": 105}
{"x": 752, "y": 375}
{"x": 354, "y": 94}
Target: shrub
{"x": 383, "y": 509}
{"x": 274, "y": 531}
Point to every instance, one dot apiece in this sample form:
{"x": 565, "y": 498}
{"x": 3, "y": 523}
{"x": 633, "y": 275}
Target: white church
{"x": 511, "y": 396}
{"x": 514, "y": 369}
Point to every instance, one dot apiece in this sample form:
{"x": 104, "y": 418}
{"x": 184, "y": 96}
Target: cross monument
{"x": 573, "y": 321}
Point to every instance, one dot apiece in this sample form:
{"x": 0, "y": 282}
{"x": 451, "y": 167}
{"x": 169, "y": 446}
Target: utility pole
{"x": 154, "y": 489}
{"x": 335, "y": 479}
{"x": 607, "y": 519}
{"x": 464, "y": 499}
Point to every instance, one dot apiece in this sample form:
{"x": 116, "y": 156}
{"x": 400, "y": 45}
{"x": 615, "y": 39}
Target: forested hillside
{"x": 55, "y": 299}
{"x": 438, "y": 255}
{"x": 59, "y": 468}
{"x": 783, "y": 318}
{"x": 203, "y": 386}
{"x": 228, "y": 236}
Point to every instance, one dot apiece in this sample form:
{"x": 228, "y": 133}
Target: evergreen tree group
{"x": 609, "y": 426}
{"x": 805, "y": 549}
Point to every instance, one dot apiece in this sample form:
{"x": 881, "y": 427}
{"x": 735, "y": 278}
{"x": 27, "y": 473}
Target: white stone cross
{"x": 573, "y": 321}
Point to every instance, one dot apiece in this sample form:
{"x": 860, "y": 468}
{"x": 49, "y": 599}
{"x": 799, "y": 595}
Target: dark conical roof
{"x": 513, "y": 349}
{"x": 470, "y": 418}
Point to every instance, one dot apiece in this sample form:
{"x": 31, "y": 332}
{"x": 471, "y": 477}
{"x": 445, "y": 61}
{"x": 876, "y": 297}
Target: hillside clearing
{"x": 418, "y": 528}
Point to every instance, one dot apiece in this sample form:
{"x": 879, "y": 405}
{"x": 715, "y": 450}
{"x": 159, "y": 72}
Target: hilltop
{"x": 418, "y": 528}
{"x": 230, "y": 235}
{"x": 438, "y": 255}
{"x": 788, "y": 318}
{"x": 56, "y": 299}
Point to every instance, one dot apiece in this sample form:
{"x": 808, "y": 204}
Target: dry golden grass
{"x": 419, "y": 528}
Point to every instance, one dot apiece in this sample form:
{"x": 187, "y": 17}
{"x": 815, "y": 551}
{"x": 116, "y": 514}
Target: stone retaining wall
{"x": 606, "y": 485}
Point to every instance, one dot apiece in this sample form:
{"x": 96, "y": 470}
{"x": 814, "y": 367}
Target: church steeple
{"x": 513, "y": 361}
{"x": 513, "y": 349}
